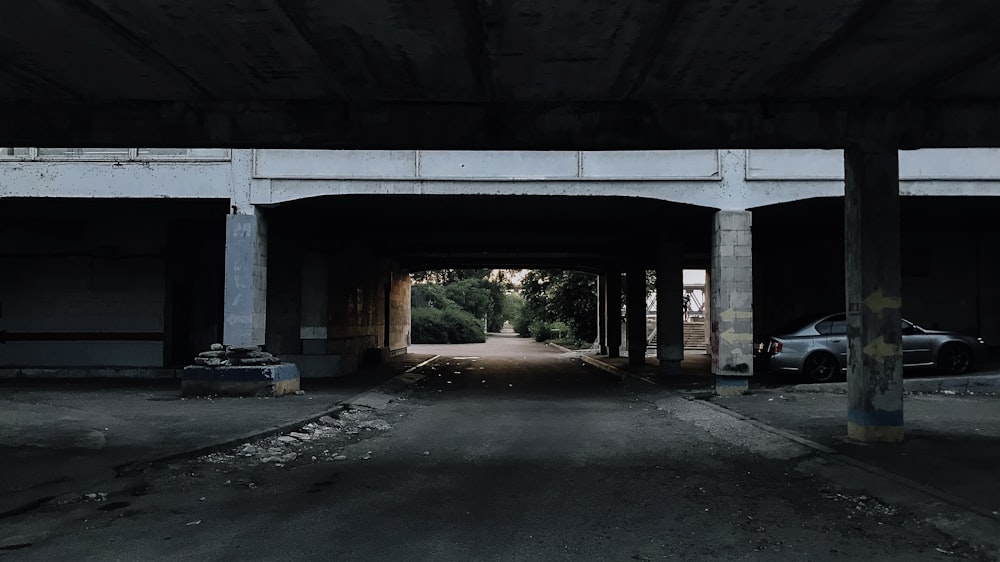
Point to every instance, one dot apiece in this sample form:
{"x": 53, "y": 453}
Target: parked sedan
{"x": 818, "y": 350}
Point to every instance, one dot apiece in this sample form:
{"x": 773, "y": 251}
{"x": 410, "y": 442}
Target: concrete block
{"x": 732, "y": 386}
{"x": 267, "y": 380}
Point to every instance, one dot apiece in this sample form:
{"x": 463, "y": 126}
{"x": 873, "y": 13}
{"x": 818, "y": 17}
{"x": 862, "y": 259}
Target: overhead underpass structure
{"x": 518, "y": 85}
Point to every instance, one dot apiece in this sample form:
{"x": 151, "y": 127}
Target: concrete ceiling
{"x": 485, "y": 74}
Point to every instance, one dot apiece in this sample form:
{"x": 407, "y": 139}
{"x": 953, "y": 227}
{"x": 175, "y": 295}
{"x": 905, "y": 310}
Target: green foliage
{"x": 430, "y": 296}
{"x": 479, "y": 298}
{"x": 452, "y": 325}
{"x": 446, "y": 276}
{"x": 471, "y": 295}
{"x": 567, "y": 297}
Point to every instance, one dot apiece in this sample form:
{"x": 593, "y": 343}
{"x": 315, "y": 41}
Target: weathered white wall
{"x": 116, "y": 180}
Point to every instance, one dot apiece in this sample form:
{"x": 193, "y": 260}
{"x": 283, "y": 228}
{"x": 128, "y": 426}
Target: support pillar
{"x": 669, "y": 306}
{"x": 707, "y": 310}
{"x": 873, "y": 291}
{"x": 245, "y": 306}
{"x": 238, "y": 367}
{"x": 602, "y": 314}
{"x": 614, "y": 313}
{"x": 635, "y": 281}
{"x": 732, "y": 303}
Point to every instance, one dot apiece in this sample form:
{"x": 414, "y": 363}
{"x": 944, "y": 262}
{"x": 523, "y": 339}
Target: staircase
{"x": 694, "y": 336}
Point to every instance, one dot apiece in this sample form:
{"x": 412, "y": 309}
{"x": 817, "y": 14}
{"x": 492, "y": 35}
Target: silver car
{"x": 818, "y": 350}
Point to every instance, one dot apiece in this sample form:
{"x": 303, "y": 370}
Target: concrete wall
{"x": 91, "y": 285}
{"x": 346, "y": 329}
{"x": 47, "y": 297}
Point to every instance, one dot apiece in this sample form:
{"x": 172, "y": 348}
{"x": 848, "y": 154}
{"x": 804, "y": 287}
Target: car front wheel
{"x": 954, "y": 359}
{"x": 821, "y": 367}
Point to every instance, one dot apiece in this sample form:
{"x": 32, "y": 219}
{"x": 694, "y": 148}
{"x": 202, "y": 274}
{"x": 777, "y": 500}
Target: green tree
{"x": 567, "y": 297}
{"x": 481, "y": 294}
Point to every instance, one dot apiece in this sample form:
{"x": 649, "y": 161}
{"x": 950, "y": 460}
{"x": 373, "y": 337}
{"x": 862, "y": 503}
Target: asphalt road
{"x": 504, "y": 451}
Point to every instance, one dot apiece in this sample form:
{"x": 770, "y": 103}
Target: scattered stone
{"x": 426, "y": 453}
{"x": 287, "y": 439}
{"x": 222, "y": 356}
{"x": 378, "y": 424}
{"x": 327, "y": 420}
{"x": 300, "y": 436}
{"x": 300, "y": 392}
{"x": 340, "y": 458}
{"x": 196, "y": 522}
{"x": 209, "y": 362}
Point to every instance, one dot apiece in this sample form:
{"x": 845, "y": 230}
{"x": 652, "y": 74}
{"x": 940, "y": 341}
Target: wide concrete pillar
{"x": 602, "y": 314}
{"x": 614, "y": 313}
{"x": 732, "y": 303}
{"x": 245, "y": 307}
{"x": 873, "y": 290}
{"x": 635, "y": 282}
{"x": 669, "y": 307}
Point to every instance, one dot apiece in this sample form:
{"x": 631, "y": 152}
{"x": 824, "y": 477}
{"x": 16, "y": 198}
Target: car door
{"x": 833, "y": 337}
{"x": 916, "y": 346}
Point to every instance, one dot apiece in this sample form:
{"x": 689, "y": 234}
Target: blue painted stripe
{"x": 722, "y": 380}
{"x": 884, "y": 418}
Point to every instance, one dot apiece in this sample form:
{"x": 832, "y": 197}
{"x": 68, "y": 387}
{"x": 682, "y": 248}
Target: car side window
{"x": 833, "y": 326}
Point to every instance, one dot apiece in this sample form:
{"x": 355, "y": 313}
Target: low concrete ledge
{"x": 143, "y": 373}
{"x": 962, "y": 383}
{"x": 244, "y": 380}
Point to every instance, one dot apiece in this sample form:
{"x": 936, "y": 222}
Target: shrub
{"x": 431, "y": 325}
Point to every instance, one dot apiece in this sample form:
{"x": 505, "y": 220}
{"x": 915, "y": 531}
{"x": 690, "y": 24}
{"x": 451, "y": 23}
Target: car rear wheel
{"x": 954, "y": 359}
{"x": 821, "y": 367}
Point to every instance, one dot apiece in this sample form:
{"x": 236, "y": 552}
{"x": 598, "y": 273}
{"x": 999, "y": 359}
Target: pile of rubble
{"x": 235, "y": 356}
{"x": 283, "y": 449}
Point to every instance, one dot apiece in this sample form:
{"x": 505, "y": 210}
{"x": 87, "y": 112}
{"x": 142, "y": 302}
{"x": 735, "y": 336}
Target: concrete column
{"x": 669, "y": 304}
{"x": 245, "y": 307}
{"x": 872, "y": 270}
{"x": 602, "y": 314}
{"x": 635, "y": 281}
{"x": 315, "y": 308}
{"x": 732, "y": 303}
{"x": 707, "y": 309}
{"x": 614, "y": 313}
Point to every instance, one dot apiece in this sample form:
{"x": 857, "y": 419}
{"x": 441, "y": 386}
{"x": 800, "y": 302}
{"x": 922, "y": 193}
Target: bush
{"x": 431, "y": 325}
{"x": 540, "y": 330}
